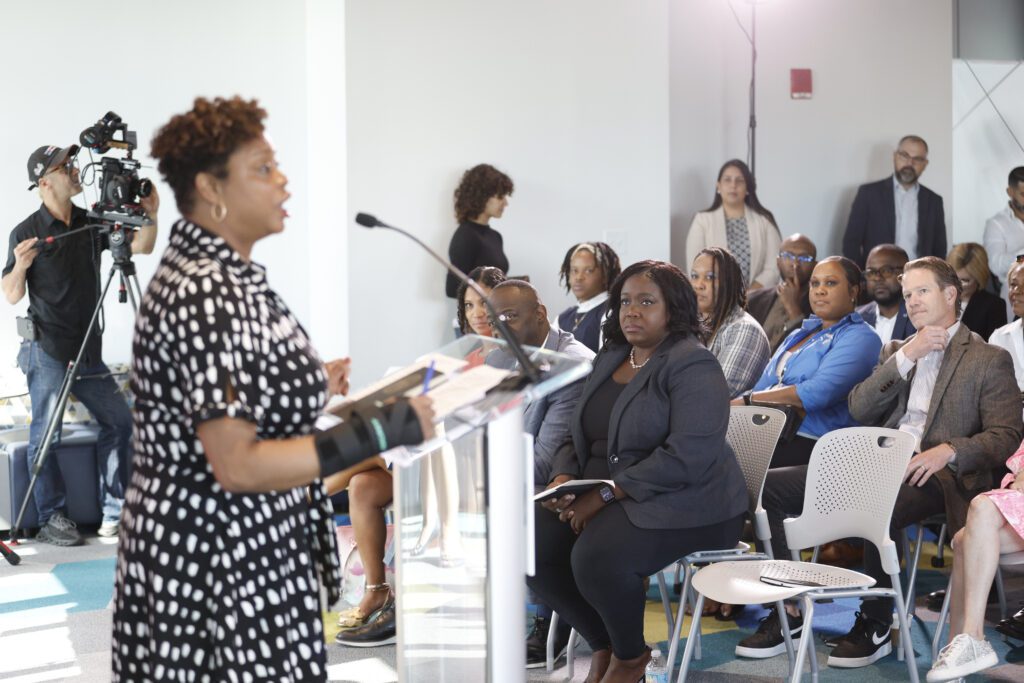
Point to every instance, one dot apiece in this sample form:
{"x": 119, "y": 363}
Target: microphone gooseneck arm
{"x": 528, "y": 366}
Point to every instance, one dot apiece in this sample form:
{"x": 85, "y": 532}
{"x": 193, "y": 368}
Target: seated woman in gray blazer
{"x": 737, "y": 221}
{"x": 652, "y": 419}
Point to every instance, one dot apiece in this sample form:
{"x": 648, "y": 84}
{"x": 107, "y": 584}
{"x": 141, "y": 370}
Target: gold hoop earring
{"x": 219, "y": 212}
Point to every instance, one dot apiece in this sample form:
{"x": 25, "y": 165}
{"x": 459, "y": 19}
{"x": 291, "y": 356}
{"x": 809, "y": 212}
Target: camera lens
{"x": 143, "y": 187}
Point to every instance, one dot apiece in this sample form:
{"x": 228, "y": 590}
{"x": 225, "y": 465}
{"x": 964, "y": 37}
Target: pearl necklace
{"x": 632, "y": 360}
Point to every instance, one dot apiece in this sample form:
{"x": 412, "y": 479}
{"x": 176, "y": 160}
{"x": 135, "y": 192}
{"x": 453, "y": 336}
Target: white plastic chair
{"x": 853, "y": 479}
{"x": 1007, "y": 560}
{"x": 753, "y": 434}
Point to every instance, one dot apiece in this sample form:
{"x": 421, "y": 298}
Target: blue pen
{"x": 429, "y": 376}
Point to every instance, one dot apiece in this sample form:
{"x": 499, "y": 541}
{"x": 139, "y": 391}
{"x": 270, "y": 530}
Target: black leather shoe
{"x": 537, "y": 642}
{"x": 377, "y": 632}
{"x": 1013, "y": 626}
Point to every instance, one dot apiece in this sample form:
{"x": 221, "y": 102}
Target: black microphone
{"x": 529, "y": 368}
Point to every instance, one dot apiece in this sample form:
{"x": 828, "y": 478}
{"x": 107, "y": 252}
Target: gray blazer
{"x": 666, "y": 438}
{"x": 548, "y": 418}
{"x": 975, "y": 406}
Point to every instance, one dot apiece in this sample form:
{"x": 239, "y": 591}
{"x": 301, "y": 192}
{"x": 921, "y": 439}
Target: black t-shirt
{"x": 63, "y": 283}
{"x": 474, "y": 245}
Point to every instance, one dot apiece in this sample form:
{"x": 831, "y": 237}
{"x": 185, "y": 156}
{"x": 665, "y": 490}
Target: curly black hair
{"x": 680, "y": 301}
{"x": 731, "y": 290}
{"x": 479, "y": 184}
{"x": 201, "y": 140}
{"x": 485, "y": 276}
{"x": 606, "y": 258}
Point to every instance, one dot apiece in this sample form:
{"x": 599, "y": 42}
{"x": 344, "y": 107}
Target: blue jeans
{"x": 101, "y": 395}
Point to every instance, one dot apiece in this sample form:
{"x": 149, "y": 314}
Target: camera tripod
{"x": 124, "y": 269}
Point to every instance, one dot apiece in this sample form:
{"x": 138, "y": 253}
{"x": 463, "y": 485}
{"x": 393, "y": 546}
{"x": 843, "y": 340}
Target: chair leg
{"x": 684, "y": 667}
{"x": 906, "y": 640}
{"x": 1001, "y": 592}
{"x": 676, "y": 583}
{"x": 814, "y": 555}
{"x": 787, "y": 637}
{"x": 912, "y": 568}
{"x": 801, "y": 651}
{"x": 940, "y": 625}
{"x": 549, "y": 663}
{"x": 665, "y": 603}
{"x": 939, "y": 559}
{"x": 570, "y": 654}
{"x": 677, "y": 627}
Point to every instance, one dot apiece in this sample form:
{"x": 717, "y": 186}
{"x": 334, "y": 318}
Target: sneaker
{"x": 59, "y": 530}
{"x": 537, "y": 642}
{"x": 767, "y": 641}
{"x": 833, "y": 641}
{"x": 377, "y": 632}
{"x": 963, "y": 656}
{"x": 868, "y": 641}
{"x": 109, "y": 528}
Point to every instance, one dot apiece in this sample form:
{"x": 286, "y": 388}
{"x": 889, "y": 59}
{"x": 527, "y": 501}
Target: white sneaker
{"x": 110, "y": 527}
{"x": 964, "y": 655}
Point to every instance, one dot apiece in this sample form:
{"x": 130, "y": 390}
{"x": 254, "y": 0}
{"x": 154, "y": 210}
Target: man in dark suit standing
{"x": 886, "y": 313}
{"x": 782, "y": 308}
{"x": 898, "y": 210}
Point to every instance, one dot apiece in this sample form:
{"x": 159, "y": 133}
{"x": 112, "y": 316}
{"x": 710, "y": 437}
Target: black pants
{"x": 796, "y": 452}
{"x": 784, "y": 496}
{"x": 595, "y": 580}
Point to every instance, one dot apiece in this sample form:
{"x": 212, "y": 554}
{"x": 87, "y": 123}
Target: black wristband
{"x": 369, "y": 430}
{"x": 342, "y": 446}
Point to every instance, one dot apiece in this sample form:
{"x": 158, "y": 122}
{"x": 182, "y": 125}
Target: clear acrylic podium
{"x": 462, "y": 520}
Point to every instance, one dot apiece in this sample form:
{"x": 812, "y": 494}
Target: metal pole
{"x": 753, "y": 88}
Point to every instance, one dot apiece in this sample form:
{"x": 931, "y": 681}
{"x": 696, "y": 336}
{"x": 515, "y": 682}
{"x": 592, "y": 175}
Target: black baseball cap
{"x": 45, "y": 159}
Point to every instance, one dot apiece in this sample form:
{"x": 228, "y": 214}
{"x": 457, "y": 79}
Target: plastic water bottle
{"x": 657, "y": 669}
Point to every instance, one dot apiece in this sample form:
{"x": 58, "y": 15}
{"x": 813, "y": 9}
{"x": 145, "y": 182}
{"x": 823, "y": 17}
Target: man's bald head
{"x": 793, "y": 262}
{"x": 519, "y": 304}
{"x": 892, "y": 250}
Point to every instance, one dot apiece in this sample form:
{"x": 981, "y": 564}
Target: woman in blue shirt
{"x": 818, "y": 364}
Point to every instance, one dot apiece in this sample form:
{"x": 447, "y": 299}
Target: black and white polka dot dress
{"x": 215, "y": 586}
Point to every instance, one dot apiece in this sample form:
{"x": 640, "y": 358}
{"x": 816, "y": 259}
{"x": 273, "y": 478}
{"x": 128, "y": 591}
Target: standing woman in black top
{"x": 652, "y": 418}
{"x": 481, "y": 195}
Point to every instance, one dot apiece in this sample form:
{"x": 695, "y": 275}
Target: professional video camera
{"x": 120, "y": 187}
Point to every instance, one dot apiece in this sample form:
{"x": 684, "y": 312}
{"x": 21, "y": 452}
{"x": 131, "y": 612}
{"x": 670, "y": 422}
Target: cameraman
{"x": 63, "y": 282}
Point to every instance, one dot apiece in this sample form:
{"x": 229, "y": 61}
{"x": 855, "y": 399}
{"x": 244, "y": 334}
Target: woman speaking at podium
{"x": 226, "y": 530}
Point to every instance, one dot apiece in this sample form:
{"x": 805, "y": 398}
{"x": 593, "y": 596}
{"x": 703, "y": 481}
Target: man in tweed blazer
{"x": 957, "y": 396}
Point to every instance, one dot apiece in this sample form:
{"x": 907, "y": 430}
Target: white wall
{"x": 984, "y": 149}
{"x": 569, "y": 98}
{"x": 880, "y": 70}
{"x": 67, "y": 63}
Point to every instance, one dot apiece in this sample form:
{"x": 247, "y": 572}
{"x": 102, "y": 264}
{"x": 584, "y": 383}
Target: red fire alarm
{"x": 800, "y": 84}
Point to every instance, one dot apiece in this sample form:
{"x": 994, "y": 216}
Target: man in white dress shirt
{"x": 887, "y": 312}
{"x": 1004, "y": 232}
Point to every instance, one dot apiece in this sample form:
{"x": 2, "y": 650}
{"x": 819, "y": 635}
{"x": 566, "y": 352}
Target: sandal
{"x": 353, "y": 617}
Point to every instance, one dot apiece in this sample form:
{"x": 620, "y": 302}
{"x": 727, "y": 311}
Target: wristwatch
{"x": 607, "y": 494}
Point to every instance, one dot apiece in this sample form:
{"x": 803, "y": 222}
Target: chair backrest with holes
{"x": 853, "y": 479}
{"x": 753, "y": 434}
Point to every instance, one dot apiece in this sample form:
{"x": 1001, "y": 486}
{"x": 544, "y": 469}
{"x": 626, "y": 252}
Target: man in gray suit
{"x": 547, "y": 419}
{"x": 958, "y": 397}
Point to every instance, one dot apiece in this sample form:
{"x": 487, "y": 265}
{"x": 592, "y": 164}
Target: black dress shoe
{"x": 378, "y": 631}
{"x": 1013, "y": 626}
